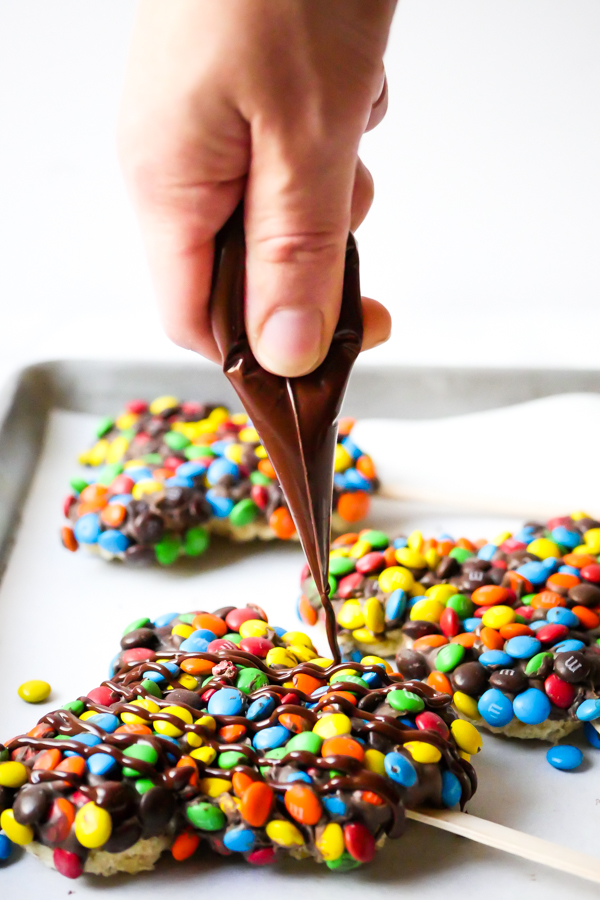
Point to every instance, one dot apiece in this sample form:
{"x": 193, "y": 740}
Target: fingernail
{"x": 290, "y": 341}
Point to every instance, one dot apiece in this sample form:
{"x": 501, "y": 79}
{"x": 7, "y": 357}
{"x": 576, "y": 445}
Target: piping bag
{"x": 296, "y": 418}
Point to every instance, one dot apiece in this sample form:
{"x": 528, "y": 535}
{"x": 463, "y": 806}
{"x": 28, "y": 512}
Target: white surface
{"x": 502, "y": 460}
{"x": 87, "y": 603}
{"x": 483, "y": 237}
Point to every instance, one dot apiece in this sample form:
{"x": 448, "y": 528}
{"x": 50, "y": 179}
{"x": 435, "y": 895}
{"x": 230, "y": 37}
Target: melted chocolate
{"x": 127, "y": 684}
{"x": 296, "y": 418}
{"x": 176, "y": 781}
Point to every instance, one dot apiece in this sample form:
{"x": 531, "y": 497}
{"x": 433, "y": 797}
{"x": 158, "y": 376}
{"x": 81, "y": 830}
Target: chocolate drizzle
{"x": 180, "y": 765}
{"x": 296, "y": 418}
{"x": 354, "y": 777}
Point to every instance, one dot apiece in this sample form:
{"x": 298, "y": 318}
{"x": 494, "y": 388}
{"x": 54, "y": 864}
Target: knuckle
{"x": 152, "y": 167}
{"x": 300, "y": 247}
{"x": 145, "y": 178}
{"x": 139, "y": 168}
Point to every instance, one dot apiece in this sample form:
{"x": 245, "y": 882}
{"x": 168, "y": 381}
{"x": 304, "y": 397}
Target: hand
{"x": 265, "y": 99}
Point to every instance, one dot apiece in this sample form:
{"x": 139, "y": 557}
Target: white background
{"x": 483, "y": 239}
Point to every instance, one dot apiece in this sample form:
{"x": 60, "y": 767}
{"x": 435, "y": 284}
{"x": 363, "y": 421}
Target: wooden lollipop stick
{"x": 511, "y": 841}
{"x": 459, "y": 503}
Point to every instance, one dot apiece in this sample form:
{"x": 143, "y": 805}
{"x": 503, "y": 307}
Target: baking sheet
{"x": 508, "y": 459}
{"x": 61, "y": 616}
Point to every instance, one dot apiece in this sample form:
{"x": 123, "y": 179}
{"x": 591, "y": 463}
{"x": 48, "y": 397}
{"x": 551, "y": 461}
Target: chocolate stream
{"x": 296, "y": 418}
